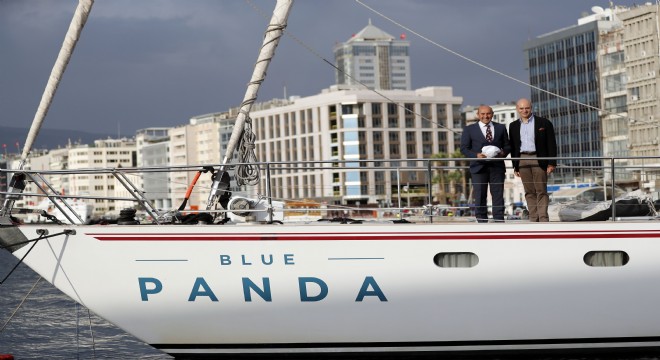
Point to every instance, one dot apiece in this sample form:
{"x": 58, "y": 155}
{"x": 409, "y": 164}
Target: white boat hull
{"x": 327, "y": 288}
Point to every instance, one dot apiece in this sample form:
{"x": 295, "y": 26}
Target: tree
{"x": 440, "y": 177}
{"x": 460, "y": 174}
{"x": 452, "y": 177}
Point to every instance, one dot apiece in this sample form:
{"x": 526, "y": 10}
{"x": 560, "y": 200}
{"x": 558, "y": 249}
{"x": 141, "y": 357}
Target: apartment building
{"x": 346, "y": 123}
{"x": 107, "y": 153}
{"x": 640, "y": 42}
{"x": 201, "y": 142}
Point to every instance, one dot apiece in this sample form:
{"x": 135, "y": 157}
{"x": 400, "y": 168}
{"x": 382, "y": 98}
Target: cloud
{"x": 160, "y": 62}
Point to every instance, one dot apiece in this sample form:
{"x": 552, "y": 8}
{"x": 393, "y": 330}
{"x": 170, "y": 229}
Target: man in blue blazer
{"x": 477, "y": 141}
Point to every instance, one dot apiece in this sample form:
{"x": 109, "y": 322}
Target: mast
{"x": 272, "y": 37}
{"x": 70, "y": 40}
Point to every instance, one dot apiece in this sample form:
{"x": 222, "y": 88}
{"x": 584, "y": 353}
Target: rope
{"x": 247, "y": 173}
{"x": 65, "y": 232}
{"x": 91, "y": 331}
{"x": 20, "y": 261}
{"x": 20, "y": 305}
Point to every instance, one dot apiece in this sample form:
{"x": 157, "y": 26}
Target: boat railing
{"x": 397, "y": 189}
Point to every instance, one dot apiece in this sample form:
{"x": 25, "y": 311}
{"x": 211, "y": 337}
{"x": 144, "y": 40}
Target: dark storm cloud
{"x": 158, "y": 63}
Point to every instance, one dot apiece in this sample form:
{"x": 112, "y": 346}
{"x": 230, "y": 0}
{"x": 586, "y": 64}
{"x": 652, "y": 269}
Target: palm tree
{"x": 440, "y": 177}
{"x": 459, "y": 174}
{"x": 444, "y": 176}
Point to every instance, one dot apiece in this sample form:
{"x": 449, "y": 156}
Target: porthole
{"x": 606, "y": 258}
{"x": 456, "y": 259}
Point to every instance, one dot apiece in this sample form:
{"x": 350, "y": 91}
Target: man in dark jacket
{"x": 531, "y": 137}
{"x": 476, "y": 141}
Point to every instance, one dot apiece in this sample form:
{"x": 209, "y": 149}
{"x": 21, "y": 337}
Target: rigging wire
{"x": 91, "y": 331}
{"x": 41, "y": 237}
{"x": 21, "y": 260}
{"x": 89, "y": 316}
{"x": 20, "y": 304}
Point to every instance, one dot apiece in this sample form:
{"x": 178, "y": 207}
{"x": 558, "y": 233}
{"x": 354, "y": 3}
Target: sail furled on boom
{"x": 272, "y": 37}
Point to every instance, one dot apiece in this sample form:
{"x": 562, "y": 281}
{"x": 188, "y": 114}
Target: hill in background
{"x": 47, "y": 138}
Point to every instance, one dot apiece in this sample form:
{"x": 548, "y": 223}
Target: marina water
{"x": 50, "y": 325}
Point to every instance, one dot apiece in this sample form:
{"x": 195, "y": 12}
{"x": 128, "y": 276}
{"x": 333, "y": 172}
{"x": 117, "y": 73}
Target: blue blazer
{"x": 472, "y": 140}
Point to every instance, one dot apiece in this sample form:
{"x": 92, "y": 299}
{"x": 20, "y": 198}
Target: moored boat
{"x": 238, "y": 279}
{"x": 268, "y": 287}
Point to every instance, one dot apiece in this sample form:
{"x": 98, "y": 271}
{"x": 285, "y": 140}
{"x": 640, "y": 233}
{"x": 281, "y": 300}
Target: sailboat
{"x": 268, "y": 287}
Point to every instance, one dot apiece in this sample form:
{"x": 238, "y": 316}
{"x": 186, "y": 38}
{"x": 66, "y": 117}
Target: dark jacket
{"x": 544, "y": 139}
{"x": 473, "y": 140}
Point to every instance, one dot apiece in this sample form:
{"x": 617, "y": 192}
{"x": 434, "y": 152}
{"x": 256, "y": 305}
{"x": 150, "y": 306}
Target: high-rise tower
{"x": 374, "y": 58}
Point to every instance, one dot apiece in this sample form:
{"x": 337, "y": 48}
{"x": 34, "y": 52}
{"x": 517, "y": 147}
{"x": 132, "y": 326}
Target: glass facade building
{"x": 563, "y": 70}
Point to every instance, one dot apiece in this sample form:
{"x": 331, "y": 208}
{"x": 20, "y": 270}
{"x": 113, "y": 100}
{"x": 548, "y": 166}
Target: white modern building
{"x": 344, "y": 124}
{"x": 107, "y": 153}
{"x": 503, "y": 113}
{"x": 201, "y": 142}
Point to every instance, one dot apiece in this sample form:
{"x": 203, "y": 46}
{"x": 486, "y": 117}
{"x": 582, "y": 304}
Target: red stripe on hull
{"x": 376, "y": 236}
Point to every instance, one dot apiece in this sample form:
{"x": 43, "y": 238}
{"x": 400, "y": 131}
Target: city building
{"x": 106, "y": 153}
{"x": 614, "y": 114}
{"x": 4, "y": 182}
{"x": 503, "y": 113}
{"x": 346, "y": 123}
{"x": 564, "y": 62}
{"x": 375, "y": 59}
{"x": 153, "y": 150}
{"x": 201, "y": 142}
{"x": 640, "y": 42}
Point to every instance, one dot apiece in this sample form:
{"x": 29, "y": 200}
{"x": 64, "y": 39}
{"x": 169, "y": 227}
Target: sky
{"x": 157, "y": 63}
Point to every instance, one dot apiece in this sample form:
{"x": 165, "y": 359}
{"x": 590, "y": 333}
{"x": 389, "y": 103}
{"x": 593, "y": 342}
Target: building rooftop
{"x": 370, "y": 33}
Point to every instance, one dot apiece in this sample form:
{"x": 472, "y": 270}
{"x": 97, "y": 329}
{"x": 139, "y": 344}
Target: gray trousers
{"x": 535, "y": 183}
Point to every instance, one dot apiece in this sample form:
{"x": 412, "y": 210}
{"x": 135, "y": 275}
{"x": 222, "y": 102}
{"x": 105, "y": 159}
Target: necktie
{"x": 489, "y": 134}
